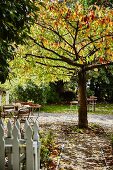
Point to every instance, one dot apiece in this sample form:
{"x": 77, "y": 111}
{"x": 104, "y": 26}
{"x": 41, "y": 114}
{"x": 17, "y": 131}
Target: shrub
{"x": 29, "y": 92}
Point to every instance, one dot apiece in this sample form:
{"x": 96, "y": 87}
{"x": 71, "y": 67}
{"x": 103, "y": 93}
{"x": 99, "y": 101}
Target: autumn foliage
{"x": 76, "y": 36}
{"x": 70, "y": 41}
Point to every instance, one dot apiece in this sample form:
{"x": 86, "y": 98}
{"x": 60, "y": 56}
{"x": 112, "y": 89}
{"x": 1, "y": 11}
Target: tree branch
{"x": 92, "y": 41}
{"x": 92, "y": 52}
{"x": 54, "y": 66}
{"x": 50, "y": 28}
{"x": 68, "y": 74}
{"x": 43, "y": 57}
{"x": 70, "y": 33}
{"x": 91, "y": 67}
{"x": 74, "y": 42}
{"x": 70, "y": 53}
{"x": 67, "y": 60}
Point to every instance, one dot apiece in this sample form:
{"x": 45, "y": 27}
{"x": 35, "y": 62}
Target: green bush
{"x": 51, "y": 93}
{"x": 29, "y": 92}
{"x": 35, "y": 93}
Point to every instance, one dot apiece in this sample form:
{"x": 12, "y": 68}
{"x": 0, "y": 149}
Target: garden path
{"x": 106, "y": 120}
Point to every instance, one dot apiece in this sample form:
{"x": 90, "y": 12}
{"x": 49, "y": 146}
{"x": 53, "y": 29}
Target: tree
{"x": 72, "y": 41}
{"x": 101, "y": 83}
{"x": 15, "y": 20}
{"x": 97, "y": 2}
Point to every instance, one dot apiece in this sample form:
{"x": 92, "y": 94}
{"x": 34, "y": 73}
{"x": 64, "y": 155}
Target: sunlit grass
{"x": 99, "y": 109}
{"x": 57, "y": 108}
{"x": 104, "y": 109}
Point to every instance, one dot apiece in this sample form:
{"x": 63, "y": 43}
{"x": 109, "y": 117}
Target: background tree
{"x": 105, "y": 3}
{"x": 101, "y": 83}
{"x": 71, "y": 41}
{"x": 15, "y": 20}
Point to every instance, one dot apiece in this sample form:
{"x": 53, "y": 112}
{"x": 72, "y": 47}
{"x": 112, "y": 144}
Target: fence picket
{"x": 36, "y": 132}
{"x": 25, "y": 127}
{"x": 2, "y": 148}
{"x": 15, "y": 148}
{"x": 1, "y": 122}
{"x": 17, "y": 123}
{"x": 9, "y": 127}
{"x": 36, "y": 138}
{"x": 29, "y": 149}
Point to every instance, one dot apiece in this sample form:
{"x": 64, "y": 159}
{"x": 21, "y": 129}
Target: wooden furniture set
{"x": 22, "y": 111}
{"x": 91, "y": 103}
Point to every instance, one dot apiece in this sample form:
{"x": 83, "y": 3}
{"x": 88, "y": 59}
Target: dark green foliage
{"x": 102, "y": 84}
{"x": 30, "y": 92}
{"x": 52, "y": 93}
{"x": 68, "y": 96}
{"x": 6, "y": 52}
{"x": 35, "y": 93}
{"x": 15, "y": 16}
{"x": 57, "y": 93}
{"x": 106, "y": 3}
{"x": 15, "y": 21}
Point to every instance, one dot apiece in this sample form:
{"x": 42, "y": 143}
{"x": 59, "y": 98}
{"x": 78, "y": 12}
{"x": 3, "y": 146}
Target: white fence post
{"x": 15, "y": 149}
{"x": 36, "y": 138}
{"x": 2, "y": 148}
{"x": 9, "y": 128}
{"x": 7, "y": 97}
{"x": 9, "y": 137}
{"x": 29, "y": 149}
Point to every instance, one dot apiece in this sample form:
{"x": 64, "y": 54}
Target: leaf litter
{"x": 82, "y": 149}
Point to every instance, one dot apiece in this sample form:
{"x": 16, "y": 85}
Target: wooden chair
{"x": 23, "y": 113}
{"x": 7, "y": 111}
{"x": 92, "y": 102}
{"x": 26, "y": 111}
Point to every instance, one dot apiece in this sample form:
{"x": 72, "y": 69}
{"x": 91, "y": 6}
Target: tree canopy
{"x": 106, "y": 3}
{"x": 73, "y": 38}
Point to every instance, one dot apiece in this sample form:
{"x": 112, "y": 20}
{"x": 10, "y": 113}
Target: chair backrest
{"x": 93, "y": 97}
{"x": 8, "y": 107}
{"x": 24, "y": 112}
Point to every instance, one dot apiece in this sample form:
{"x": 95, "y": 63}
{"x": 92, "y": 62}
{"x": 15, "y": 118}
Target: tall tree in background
{"x": 101, "y": 83}
{"x": 15, "y": 20}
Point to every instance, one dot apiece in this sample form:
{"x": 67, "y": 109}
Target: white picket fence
{"x": 19, "y": 151}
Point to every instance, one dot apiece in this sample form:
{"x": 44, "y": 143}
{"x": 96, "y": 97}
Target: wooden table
{"x": 74, "y": 103}
{"x": 91, "y": 101}
{"x": 33, "y": 107}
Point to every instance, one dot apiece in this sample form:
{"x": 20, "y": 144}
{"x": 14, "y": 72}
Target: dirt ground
{"x": 77, "y": 149}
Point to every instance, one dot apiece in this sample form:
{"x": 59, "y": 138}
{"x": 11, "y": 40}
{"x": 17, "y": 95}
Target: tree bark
{"x": 82, "y": 112}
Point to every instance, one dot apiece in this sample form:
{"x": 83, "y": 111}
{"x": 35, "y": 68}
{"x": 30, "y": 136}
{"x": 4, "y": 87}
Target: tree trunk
{"x": 82, "y": 112}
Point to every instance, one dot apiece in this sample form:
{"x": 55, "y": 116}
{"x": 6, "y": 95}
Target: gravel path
{"x": 106, "y": 120}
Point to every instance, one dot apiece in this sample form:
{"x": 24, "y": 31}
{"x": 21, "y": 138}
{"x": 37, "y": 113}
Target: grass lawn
{"x": 104, "y": 109}
{"x": 55, "y": 108}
